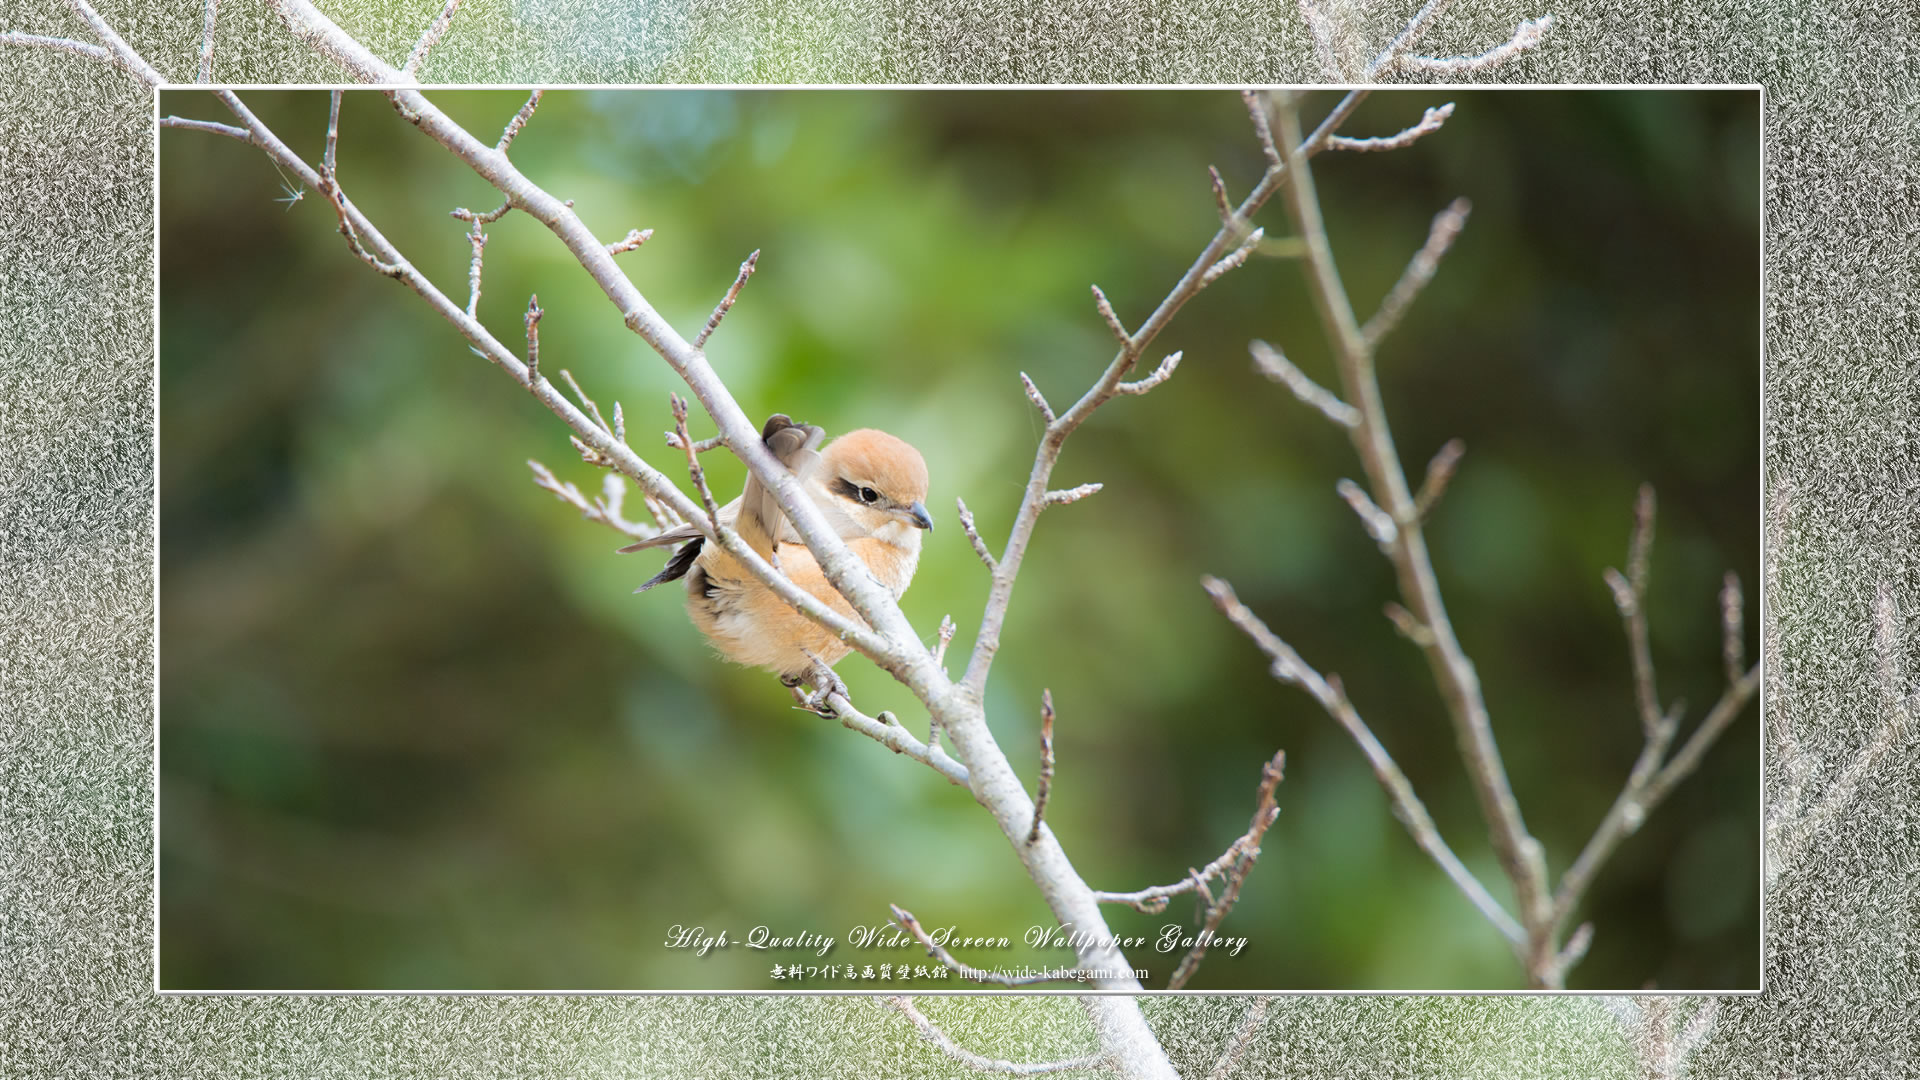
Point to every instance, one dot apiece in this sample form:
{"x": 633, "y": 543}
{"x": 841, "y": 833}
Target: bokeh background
{"x": 417, "y": 733}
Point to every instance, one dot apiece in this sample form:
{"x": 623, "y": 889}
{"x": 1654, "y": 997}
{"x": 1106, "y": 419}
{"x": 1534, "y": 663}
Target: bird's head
{"x": 880, "y": 484}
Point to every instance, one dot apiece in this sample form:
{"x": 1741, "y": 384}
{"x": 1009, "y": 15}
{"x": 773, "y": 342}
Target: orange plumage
{"x": 872, "y": 489}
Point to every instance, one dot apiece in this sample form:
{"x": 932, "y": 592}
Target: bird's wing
{"x": 761, "y": 522}
{"x": 680, "y": 534}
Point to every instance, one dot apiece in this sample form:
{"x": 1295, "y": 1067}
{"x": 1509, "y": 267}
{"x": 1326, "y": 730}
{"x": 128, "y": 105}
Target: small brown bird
{"x": 872, "y": 488}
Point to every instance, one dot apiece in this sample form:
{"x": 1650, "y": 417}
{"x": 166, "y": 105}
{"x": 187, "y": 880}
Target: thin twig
{"x": 587, "y": 403}
{"x": 1159, "y": 375}
{"x": 699, "y": 475}
{"x": 1430, "y": 122}
{"x": 1529, "y": 34}
{"x": 973, "y": 536}
{"x": 478, "y": 241}
{"x": 980, "y": 1063}
{"x": 1288, "y": 667}
{"x": 1039, "y": 400}
{"x": 968, "y": 972}
{"x": 1653, "y": 776}
{"x": 429, "y": 39}
{"x": 1242, "y": 1037}
{"x": 122, "y": 53}
{"x": 1440, "y": 236}
{"x": 206, "y": 41}
{"x": 519, "y": 121}
{"x": 1264, "y": 813}
{"x": 1274, "y": 365}
{"x": 1234, "y": 259}
{"x": 1046, "y": 764}
{"x": 1733, "y": 646}
{"x": 78, "y": 48}
{"x": 1439, "y": 472}
{"x": 1070, "y": 495}
{"x": 605, "y": 509}
{"x": 1154, "y": 899}
{"x": 700, "y": 446}
{"x": 895, "y": 737}
{"x": 1263, "y": 130}
{"x": 1220, "y": 200}
{"x": 1107, "y": 314}
{"x": 726, "y": 302}
{"x": 327, "y": 158}
{"x": 534, "y": 312}
{"x": 944, "y": 638}
{"x": 208, "y": 126}
{"x": 634, "y": 238}
{"x": 1377, "y": 523}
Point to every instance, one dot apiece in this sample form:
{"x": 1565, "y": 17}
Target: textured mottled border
{"x": 76, "y": 535}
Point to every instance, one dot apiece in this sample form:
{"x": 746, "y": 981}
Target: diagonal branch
{"x": 1154, "y": 900}
{"x": 1430, "y": 122}
{"x": 1250, "y": 1023}
{"x": 430, "y": 38}
{"x": 1289, "y": 667}
{"x": 1446, "y": 227}
{"x": 1227, "y": 246}
{"x": 1529, "y": 34}
{"x": 1264, "y": 812}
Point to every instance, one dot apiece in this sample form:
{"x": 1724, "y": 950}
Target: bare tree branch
{"x": 206, "y": 41}
{"x": 605, "y": 508}
{"x": 1430, "y": 122}
{"x": 726, "y": 302}
{"x": 209, "y": 127}
{"x": 1288, "y": 667}
{"x": 1274, "y": 365}
{"x": 1394, "y": 56}
{"x": 1205, "y": 268}
{"x": 973, "y": 536}
{"x": 1520, "y": 854}
{"x": 634, "y": 238}
{"x": 1242, "y": 1037}
{"x": 1154, "y": 900}
{"x": 1039, "y": 400}
{"x": 1046, "y": 764}
{"x": 1529, "y": 34}
{"x": 1439, "y": 472}
{"x": 430, "y": 38}
{"x": 78, "y": 48}
{"x": 1235, "y": 874}
{"x": 519, "y": 121}
{"x": 1070, "y": 495}
{"x": 1652, "y": 776}
{"x": 944, "y": 638}
{"x": 325, "y": 37}
{"x": 980, "y": 1063}
{"x": 1446, "y": 227}
{"x": 1160, "y": 374}
{"x": 122, "y": 52}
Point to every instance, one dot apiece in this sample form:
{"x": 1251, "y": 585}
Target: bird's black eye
{"x": 867, "y": 494}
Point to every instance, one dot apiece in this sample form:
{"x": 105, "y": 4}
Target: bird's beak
{"x": 920, "y": 516}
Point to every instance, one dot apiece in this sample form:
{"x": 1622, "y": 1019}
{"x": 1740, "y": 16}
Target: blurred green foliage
{"x": 417, "y": 733}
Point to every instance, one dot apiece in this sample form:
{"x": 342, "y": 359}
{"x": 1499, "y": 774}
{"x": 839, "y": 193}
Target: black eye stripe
{"x": 857, "y": 492}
